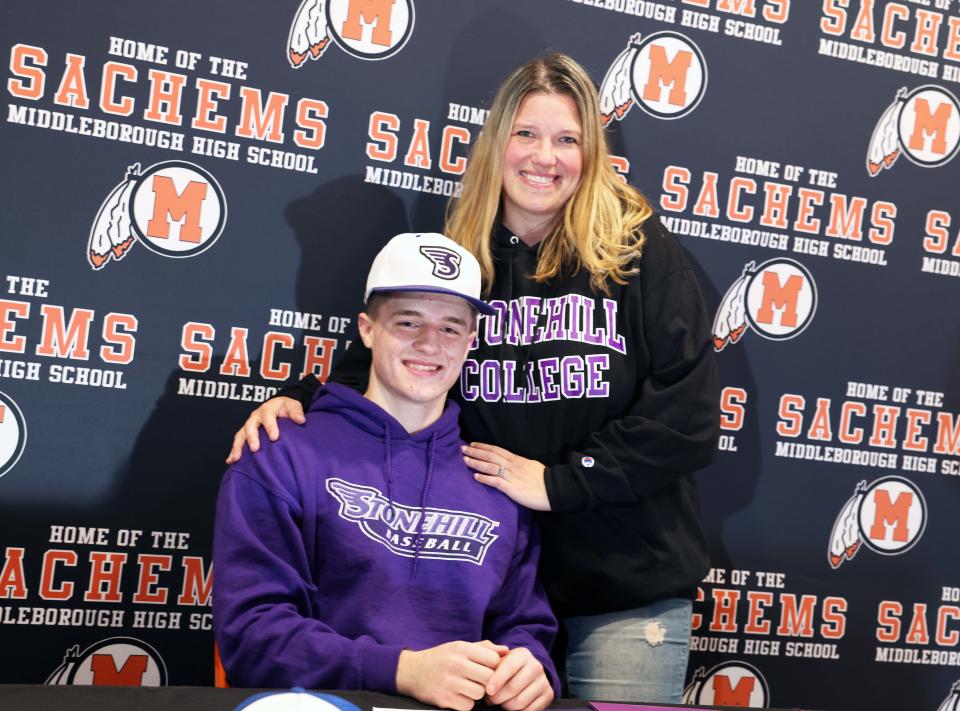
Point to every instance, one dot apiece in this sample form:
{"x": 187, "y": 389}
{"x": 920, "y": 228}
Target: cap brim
{"x": 481, "y": 306}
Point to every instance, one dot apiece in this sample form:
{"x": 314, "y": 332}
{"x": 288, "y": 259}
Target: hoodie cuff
{"x": 380, "y": 667}
{"x": 562, "y": 490}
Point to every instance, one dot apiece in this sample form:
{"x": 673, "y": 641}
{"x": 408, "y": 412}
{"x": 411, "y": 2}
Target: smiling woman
{"x": 542, "y": 164}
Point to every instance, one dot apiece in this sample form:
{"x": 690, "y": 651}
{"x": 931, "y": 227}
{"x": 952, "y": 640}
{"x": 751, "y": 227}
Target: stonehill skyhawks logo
{"x": 368, "y": 29}
{"x": 888, "y": 516}
{"x": 664, "y": 74}
{"x": 174, "y": 208}
{"x": 13, "y": 433}
{"x": 444, "y": 534}
{"x": 778, "y": 300}
{"x": 923, "y": 125}
{"x": 446, "y": 262}
{"x": 736, "y": 684}
{"x": 117, "y": 661}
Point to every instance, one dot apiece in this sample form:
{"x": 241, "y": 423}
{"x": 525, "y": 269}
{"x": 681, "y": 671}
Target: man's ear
{"x": 470, "y": 339}
{"x": 365, "y": 325}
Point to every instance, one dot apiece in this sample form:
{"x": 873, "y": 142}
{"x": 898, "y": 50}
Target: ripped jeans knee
{"x": 633, "y": 656}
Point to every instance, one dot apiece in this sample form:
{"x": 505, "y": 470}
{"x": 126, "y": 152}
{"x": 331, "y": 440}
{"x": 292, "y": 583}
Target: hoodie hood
{"x": 520, "y": 260}
{"x": 369, "y": 417}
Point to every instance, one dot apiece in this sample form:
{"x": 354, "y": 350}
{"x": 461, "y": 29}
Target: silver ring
{"x": 500, "y": 470}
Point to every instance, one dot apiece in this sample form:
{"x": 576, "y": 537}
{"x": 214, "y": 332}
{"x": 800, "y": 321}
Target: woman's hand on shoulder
{"x": 265, "y": 416}
{"x": 519, "y": 478}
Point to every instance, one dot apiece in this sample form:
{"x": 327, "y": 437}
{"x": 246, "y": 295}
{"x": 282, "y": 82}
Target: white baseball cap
{"x": 426, "y": 261}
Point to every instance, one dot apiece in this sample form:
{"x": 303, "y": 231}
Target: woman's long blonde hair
{"x": 599, "y": 229}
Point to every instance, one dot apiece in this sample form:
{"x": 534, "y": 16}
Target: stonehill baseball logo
{"x": 173, "y": 208}
{"x": 728, "y": 684}
{"x": 117, "y": 661}
{"x": 923, "y": 125}
{"x": 367, "y": 29}
{"x": 444, "y": 534}
{"x": 888, "y": 516}
{"x": 13, "y": 433}
{"x": 446, "y": 262}
{"x": 778, "y": 300}
{"x": 664, "y": 74}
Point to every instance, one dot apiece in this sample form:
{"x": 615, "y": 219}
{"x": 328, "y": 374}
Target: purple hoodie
{"x": 319, "y": 578}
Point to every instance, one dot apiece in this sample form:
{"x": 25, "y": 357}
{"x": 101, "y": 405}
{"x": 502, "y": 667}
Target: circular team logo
{"x": 735, "y": 684}
{"x": 177, "y": 209}
{"x": 892, "y": 515}
{"x": 13, "y": 433}
{"x": 370, "y": 29}
{"x": 668, "y": 75}
{"x": 117, "y": 661}
{"x": 928, "y": 126}
{"x": 780, "y": 299}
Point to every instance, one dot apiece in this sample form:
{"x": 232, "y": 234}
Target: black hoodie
{"x": 618, "y": 397}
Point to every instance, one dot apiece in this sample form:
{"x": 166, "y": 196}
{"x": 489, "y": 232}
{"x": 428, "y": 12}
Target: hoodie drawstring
{"x": 505, "y": 321}
{"x": 431, "y": 446}
{"x": 523, "y": 352}
{"x": 388, "y": 466}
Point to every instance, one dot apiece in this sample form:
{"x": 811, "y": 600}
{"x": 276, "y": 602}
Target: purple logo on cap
{"x": 446, "y": 262}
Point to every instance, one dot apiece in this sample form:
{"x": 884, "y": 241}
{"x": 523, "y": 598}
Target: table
{"x": 37, "y": 697}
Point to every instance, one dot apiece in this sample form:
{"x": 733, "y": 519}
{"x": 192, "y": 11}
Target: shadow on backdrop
{"x": 176, "y": 463}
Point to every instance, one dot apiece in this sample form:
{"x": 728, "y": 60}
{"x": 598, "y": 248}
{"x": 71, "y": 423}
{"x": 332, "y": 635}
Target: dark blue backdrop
{"x": 751, "y": 124}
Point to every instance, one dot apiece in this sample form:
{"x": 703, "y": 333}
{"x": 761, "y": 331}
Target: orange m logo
{"x": 930, "y": 125}
{"x": 105, "y": 672}
{"x": 780, "y": 296}
{"x": 893, "y": 513}
{"x": 738, "y": 696}
{"x": 182, "y": 207}
{"x": 370, "y": 12}
{"x": 671, "y": 74}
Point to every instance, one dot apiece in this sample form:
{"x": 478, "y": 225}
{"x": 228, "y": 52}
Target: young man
{"x": 356, "y": 552}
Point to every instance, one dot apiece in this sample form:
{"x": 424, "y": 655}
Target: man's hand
{"x": 519, "y": 683}
{"x": 452, "y": 675}
{"x": 265, "y": 416}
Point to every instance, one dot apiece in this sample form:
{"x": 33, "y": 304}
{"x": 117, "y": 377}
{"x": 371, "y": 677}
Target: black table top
{"x": 38, "y": 697}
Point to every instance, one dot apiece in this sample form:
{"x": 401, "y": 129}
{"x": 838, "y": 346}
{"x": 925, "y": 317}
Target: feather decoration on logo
{"x": 308, "y": 33}
{"x": 616, "y": 88}
{"x": 952, "y": 702}
{"x": 112, "y": 233}
{"x": 885, "y": 142}
{"x": 730, "y": 323}
{"x": 61, "y": 673}
{"x": 845, "y": 536}
{"x": 690, "y": 692}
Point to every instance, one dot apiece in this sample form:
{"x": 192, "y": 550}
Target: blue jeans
{"x": 632, "y": 656}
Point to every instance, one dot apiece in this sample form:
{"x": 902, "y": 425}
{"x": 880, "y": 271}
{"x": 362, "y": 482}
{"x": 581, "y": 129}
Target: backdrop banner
{"x": 193, "y": 192}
